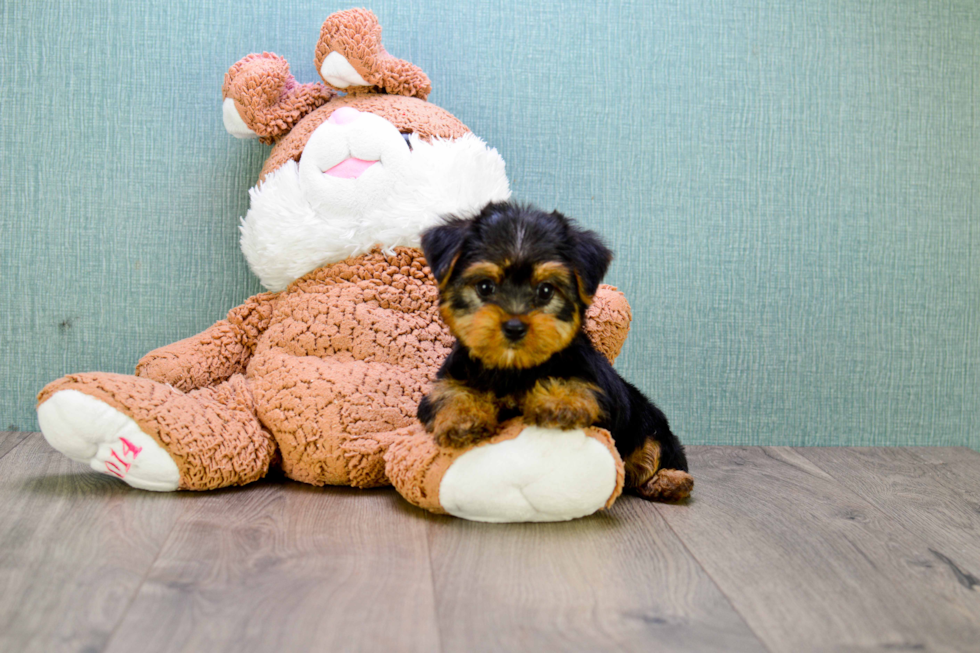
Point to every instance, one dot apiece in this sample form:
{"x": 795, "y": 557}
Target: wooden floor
{"x": 780, "y": 549}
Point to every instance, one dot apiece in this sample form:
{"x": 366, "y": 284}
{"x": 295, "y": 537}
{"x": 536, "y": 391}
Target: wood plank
{"x": 74, "y": 548}
{"x": 812, "y": 566}
{"x": 932, "y": 492}
{"x": 619, "y": 580}
{"x": 290, "y": 567}
{"x": 10, "y": 439}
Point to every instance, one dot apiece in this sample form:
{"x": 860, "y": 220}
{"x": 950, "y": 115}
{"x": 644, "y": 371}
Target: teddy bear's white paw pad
{"x": 541, "y": 475}
{"x": 90, "y": 431}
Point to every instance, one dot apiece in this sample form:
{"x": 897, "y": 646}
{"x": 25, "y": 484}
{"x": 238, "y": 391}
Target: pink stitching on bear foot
{"x": 128, "y": 449}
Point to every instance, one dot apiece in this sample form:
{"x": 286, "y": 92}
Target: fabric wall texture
{"x": 792, "y": 189}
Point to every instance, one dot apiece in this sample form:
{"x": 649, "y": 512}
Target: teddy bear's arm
{"x": 261, "y": 99}
{"x": 349, "y": 55}
{"x": 607, "y": 322}
{"x": 213, "y": 355}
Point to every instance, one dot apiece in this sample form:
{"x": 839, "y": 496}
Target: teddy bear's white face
{"x": 352, "y": 159}
{"x": 361, "y": 183}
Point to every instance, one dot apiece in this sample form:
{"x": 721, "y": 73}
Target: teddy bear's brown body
{"x": 324, "y": 376}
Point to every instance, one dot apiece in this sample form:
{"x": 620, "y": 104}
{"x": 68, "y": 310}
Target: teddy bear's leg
{"x": 330, "y": 417}
{"x": 154, "y": 437}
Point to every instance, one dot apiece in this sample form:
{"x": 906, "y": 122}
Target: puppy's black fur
{"x": 515, "y": 283}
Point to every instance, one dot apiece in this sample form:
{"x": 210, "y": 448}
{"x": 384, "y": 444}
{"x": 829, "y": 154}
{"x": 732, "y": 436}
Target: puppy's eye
{"x": 407, "y": 137}
{"x": 545, "y": 292}
{"x": 485, "y": 287}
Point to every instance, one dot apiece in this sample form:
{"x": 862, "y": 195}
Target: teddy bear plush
{"x": 322, "y": 375}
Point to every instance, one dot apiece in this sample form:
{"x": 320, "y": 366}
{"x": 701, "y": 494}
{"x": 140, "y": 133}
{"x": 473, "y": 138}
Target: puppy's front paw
{"x": 455, "y": 429}
{"x": 558, "y": 416}
{"x": 562, "y": 404}
{"x": 457, "y": 415}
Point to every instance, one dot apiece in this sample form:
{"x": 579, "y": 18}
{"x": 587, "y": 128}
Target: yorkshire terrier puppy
{"x": 514, "y": 285}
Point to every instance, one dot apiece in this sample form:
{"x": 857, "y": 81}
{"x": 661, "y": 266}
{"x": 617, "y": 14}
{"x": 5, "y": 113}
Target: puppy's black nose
{"x": 514, "y": 329}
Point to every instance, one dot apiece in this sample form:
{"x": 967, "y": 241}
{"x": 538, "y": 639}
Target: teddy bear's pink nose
{"x": 343, "y": 115}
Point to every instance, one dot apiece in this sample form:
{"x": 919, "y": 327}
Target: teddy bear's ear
{"x": 350, "y": 55}
{"x": 442, "y": 245}
{"x": 261, "y": 98}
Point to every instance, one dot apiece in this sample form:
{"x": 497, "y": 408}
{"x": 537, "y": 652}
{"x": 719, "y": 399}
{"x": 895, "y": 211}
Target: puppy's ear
{"x": 442, "y": 246}
{"x": 591, "y": 260}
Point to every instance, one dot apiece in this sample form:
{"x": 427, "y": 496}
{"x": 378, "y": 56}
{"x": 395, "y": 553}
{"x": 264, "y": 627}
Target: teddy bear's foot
{"x": 90, "y": 431}
{"x": 541, "y": 475}
{"x": 667, "y": 485}
{"x": 524, "y": 473}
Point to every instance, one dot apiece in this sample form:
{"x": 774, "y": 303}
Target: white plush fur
{"x": 89, "y": 431}
{"x": 300, "y": 218}
{"x": 541, "y": 475}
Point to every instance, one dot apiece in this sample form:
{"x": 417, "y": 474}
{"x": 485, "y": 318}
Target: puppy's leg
{"x": 562, "y": 403}
{"x": 457, "y": 415}
{"x": 653, "y": 482}
{"x": 657, "y": 468}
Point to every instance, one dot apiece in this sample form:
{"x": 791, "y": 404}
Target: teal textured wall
{"x": 792, "y": 189}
